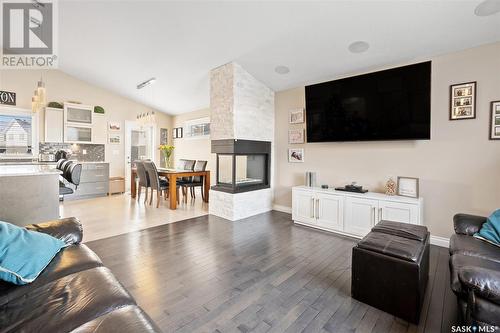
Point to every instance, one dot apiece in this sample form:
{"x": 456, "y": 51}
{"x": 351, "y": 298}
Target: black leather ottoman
{"x": 390, "y": 269}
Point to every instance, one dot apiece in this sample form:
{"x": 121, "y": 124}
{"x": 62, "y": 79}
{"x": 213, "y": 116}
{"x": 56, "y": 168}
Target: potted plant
{"x": 167, "y": 154}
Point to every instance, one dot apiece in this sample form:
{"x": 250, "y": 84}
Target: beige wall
{"x": 459, "y": 168}
{"x": 62, "y": 87}
{"x": 193, "y": 148}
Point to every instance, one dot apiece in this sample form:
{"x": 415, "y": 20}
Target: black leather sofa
{"x": 475, "y": 272}
{"x": 75, "y": 293}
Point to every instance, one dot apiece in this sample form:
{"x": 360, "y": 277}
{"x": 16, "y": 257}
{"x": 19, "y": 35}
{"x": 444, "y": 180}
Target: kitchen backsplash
{"x": 94, "y": 153}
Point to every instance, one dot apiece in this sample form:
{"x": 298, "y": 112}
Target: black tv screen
{"x": 393, "y": 104}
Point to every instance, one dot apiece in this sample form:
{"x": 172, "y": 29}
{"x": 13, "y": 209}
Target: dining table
{"x": 172, "y": 175}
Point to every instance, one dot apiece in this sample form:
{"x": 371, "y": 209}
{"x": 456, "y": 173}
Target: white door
{"x": 360, "y": 215}
{"x": 138, "y": 146}
{"x": 329, "y": 211}
{"x": 303, "y": 206}
{"x": 398, "y": 212}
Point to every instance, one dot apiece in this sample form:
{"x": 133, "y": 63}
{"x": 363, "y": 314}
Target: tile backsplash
{"x": 93, "y": 153}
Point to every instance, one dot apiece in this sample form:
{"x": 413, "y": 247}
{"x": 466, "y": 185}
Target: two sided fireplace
{"x": 242, "y": 165}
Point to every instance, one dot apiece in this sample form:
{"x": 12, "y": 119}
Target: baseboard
{"x": 283, "y": 209}
{"x": 440, "y": 241}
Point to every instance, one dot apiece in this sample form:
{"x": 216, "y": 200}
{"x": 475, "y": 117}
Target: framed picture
{"x": 114, "y": 139}
{"x": 495, "y": 121}
{"x": 296, "y": 116}
{"x": 296, "y": 136}
{"x": 463, "y": 101}
{"x": 163, "y": 136}
{"x": 408, "y": 187}
{"x": 177, "y": 132}
{"x": 296, "y": 155}
{"x": 114, "y": 126}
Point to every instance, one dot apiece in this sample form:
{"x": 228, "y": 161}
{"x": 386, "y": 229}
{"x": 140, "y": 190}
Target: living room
{"x": 333, "y": 168}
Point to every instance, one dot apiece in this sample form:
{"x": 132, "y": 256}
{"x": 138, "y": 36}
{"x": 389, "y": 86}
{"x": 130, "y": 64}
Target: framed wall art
{"x": 495, "y": 120}
{"x": 114, "y": 139}
{"x": 296, "y": 155}
{"x": 114, "y": 126}
{"x": 296, "y": 136}
{"x": 463, "y": 101}
{"x": 296, "y": 116}
{"x": 408, "y": 187}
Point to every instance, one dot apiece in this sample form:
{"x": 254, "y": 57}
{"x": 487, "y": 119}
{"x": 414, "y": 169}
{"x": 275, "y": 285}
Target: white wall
{"x": 63, "y": 87}
{"x": 459, "y": 168}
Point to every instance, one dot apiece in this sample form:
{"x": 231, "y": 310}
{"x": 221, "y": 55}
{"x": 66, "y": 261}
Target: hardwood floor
{"x": 261, "y": 274}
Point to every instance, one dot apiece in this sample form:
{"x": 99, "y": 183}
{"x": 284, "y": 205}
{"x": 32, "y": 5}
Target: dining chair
{"x": 196, "y": 181}
{"x": 185, "y": 164}
{"x": 143, "y": 179}
{"x": 156, "y": 183}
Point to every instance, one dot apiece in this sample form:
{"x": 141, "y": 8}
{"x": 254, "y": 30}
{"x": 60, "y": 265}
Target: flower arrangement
{"x": 167, "y": 153}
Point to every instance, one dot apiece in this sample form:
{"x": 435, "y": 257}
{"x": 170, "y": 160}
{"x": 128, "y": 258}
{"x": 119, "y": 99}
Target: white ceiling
{"x": 117, "y": 44}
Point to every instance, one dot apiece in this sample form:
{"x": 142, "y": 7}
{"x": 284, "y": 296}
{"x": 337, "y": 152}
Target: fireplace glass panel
{"x": 250, "y": 169}
{"x": 225, "y": 172}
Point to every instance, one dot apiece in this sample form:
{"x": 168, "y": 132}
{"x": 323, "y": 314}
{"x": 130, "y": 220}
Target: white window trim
{"x": 197, "y": 121}
{"x": 14, "y": 111}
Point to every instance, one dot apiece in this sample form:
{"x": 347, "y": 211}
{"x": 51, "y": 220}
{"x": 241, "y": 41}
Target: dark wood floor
{"x": 262, "y": 274}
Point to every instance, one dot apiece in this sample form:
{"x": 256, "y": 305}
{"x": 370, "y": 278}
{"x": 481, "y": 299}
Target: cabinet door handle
{"x": 313, "y": 208}
{"x": 317, "y": 208}
{"x": 380, "y": 214}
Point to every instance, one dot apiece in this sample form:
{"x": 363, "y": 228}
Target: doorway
{"x": 138, "y": 146}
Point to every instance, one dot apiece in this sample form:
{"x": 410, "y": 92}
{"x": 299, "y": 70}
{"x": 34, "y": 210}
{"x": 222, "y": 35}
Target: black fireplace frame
{"x": 235, "y": 147}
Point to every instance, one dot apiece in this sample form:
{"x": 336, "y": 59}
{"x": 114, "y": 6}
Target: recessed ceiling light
{"x": 359, "y": 47}
{"x": 282, "y": 69}
{"x": 487, "y": 8}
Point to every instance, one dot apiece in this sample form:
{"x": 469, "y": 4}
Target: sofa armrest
{"x": 68, "y": 229}
{"x": 466, "y": 224}
{"x": 484, "y": 282}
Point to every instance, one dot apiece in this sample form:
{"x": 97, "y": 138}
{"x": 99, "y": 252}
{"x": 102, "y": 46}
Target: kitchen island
{"x": 29, "y": 193}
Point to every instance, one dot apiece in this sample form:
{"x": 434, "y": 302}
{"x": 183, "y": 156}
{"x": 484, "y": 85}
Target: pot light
{"x": 282, "y": 69}
{"x": 487, "y": 8}
{"x": 359, "y": 47}
{"x": 146, "y": 83}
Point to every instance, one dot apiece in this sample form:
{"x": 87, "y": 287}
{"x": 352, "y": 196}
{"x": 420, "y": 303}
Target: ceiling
{"x": 117, "y": 45}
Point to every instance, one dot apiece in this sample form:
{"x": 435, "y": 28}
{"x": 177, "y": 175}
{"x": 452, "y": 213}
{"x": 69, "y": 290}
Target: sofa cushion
{"x": 68, "y": 229}
{"x": 72, "y": 259}
{"x": 129, "y": 319}
{"x": 65, "y": 304}
{"x": 393, "y": 246}
{"x": 471, "y": 246}
{"x": 459, "y": 261}
{"x": 24, "y": 253}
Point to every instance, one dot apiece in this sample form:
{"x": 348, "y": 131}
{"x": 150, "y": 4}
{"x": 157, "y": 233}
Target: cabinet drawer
{"x": 89, "y": 176}
{"x": 92, "y": 188}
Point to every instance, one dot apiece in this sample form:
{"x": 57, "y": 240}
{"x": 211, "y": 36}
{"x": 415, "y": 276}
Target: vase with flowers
{"x": 167, "y": 155}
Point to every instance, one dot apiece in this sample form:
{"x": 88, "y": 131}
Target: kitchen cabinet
{"x": 99, "y": 129}
{"x": 78, "y": 114}
{"x": 54, "y": 124}
{"x": 349, "y": 213}
{"x": 94, "y": 181}
{"x": 77, "y": 134}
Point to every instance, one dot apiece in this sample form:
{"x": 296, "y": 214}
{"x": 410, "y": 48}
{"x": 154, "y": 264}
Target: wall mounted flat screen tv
{"x": 393, "y": 104}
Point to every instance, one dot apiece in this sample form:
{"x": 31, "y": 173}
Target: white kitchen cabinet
{"x": 361, "y": 215}
{"x": 54, "y": 124}
{"x": 99, "y": 129}
{"x": 78, "y": 114}
{"x": 350, "y": 213}
{"x": 77, "y": 134}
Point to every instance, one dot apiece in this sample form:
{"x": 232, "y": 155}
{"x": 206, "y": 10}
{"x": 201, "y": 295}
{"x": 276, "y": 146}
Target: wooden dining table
{"x": 172, "y": 175}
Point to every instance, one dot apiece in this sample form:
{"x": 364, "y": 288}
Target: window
{"x": 17, "y": 140}
{"x": 197, "y": 128}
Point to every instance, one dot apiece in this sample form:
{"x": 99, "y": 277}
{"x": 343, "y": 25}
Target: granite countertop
{"x": 28, "y": 170}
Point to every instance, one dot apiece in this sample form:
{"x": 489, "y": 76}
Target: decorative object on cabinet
{"x": 495, "y": 121}
{"x": 178, "y": 132}
{"x": 296, "y": 155}
{"x": 114, "y": 126}
{"x": 296, "y": 116}
{"x": 391, "y": 187}
{"x": 114, "y": 138}
{"x": 98, "y": 109}
{"x": 353, "y": 187}
{"x": 463, "y": 101}
{"x": 296, "y": 136}
{"x": 408, "y": 187}
{"x": 310, "y": 179}
{"x": 55, "y": 105}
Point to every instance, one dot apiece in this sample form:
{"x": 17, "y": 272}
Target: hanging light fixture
{"x": 39, "y": 99}
{"x": 147, "y": 118}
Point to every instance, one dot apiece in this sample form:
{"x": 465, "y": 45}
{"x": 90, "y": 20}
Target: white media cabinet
{"x": 349, "y": 213}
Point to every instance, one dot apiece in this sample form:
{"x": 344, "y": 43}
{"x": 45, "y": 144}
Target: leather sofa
{"x": 475, "y": 272}
{"x": 74, "y": 293}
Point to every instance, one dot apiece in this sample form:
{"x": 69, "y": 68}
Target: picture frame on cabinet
{"x": 296, "y": 116}
{"x": 463, "y": 101}
{"x": 495, "y": 120}
{"x": 296, "y": 155}
{"x": 296, "y": 136}
{"x": 408, "y": 187}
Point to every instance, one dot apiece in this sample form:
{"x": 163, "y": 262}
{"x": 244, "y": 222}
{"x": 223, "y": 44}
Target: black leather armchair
{"x": 74, "y": 293}
{"x": 475, "y": 272}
